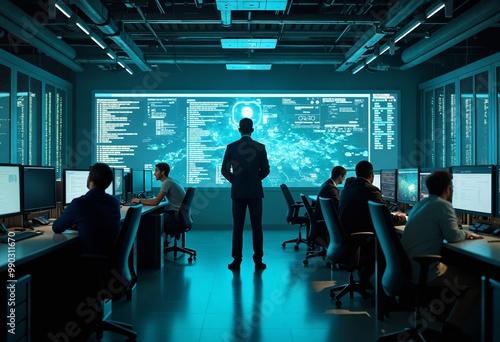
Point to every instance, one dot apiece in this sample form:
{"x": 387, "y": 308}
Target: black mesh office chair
{"x": 293, "y": 217}
{"x": 396, "y": 280}
{"x": 315, "y": 241}
{"x": 178, "y": 223}
{"x": 343, "y": 250}
{"x": 115, "y": 274}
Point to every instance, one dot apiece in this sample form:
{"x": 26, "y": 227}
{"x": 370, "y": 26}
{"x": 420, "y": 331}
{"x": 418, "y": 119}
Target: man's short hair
{"x": 101, "y": 175}
{"x": 163, "y": 167}
{"x": 438, "y": 181}
{"x": 246, "y": 125}
{"x": 338, "y": 171}
{"x": 364, "y": 169}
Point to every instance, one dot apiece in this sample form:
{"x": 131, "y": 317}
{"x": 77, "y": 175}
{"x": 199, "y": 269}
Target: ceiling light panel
{"x": 248, "y": 43}
{"x": 248, "y": 66}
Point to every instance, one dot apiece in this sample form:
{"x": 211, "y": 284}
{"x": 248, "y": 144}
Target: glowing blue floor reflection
{"x": 207, "y": 302}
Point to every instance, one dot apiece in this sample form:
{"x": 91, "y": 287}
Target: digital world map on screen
{"x": 306, "y": 135}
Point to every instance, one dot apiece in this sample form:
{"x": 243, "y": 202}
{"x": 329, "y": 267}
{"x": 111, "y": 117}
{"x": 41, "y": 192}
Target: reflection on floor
{"x": 204, "y": 301}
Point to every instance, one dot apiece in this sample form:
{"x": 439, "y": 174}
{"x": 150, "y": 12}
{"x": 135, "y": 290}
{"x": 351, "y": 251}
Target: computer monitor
{"x": 407, "y": 185}
{"x": 110, "y": 190}
{"x": 10, "y": 195}
{"x": 118, "y": 182}
{"x": 148, "y": 180}
{"x": 39, "y": 188}
{"x": 388, "y": 184}
{"x": 137, "y": 181}
{"x": 473, "y": 189}
{"x": 422, "y": 175}
{"x": 74, "y": 184}
{"x": 376, "y": 178}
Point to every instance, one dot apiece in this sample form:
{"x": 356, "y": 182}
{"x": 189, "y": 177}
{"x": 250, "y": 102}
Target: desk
{"x": 50, "y": 260}
{"x": 35, "y": 247}
{"x": 478, "y": 255}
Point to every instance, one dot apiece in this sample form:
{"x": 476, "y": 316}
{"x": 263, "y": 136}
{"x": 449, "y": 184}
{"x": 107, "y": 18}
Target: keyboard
{"x": 21, "y": 236}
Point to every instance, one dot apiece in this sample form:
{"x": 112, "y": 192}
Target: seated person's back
{"x": 95, "y": 214}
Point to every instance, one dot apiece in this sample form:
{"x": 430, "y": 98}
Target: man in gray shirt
{"x": 170, "y": 188}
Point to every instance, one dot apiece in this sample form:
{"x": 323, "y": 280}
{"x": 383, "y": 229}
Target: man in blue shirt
{"x": 96, "y": 214}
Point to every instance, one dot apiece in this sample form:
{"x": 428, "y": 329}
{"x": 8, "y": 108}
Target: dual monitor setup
{"x": 31, "y": 189}
{"x": 476, "y": 188}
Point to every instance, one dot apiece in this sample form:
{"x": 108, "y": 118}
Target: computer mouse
{"x": 496, "y": 232}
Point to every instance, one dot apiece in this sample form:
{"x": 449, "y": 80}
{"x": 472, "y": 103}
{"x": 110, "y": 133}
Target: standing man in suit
{"x": 245, "y": 165}
{"x": 355, "y": 215}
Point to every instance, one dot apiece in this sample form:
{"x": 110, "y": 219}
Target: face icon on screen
{"x": 247, "y": 109}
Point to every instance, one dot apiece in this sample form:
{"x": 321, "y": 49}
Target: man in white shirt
{"x": 430, "y": 221}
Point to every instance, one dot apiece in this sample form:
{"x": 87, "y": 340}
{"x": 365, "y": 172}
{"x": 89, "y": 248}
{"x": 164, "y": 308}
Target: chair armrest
{"x": 296, "y": 208}
{"x": 361, "y": 234}
{"x": 425, "y": 261}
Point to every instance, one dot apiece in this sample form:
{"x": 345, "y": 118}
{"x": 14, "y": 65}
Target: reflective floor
{"x": 204, "y": 301}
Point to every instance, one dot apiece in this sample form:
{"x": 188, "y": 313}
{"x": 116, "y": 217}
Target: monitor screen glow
{"x": 408, "y": 186}
{"x": 118, "y": 182}
{"x": 376, "y": 180}
{"x": 388, "y": 183}
{"x": 473, "y": 189}
{"x": 74, "y": 184}
{"x": 10, "y": 196}
{"x": 148, "y": 180}
{"x": 137, "y": 181}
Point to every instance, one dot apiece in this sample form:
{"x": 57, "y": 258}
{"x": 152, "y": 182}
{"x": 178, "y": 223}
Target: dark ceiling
{"x": 346, "y": 34}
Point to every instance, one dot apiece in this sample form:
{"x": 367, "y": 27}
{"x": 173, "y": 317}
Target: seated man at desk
{"x": 96, "y": 214}
{"x": 355, "y": 215}
{"x": 170, "y": 188}
{"x": 329, "y": 189}
{"x": 432, "y": 220}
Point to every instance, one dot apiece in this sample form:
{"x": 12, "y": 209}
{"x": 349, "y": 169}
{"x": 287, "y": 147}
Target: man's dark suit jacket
{"x": 245, "y": 165}
{"x": 327, "y": 190}
{"x": 353, "y": 208}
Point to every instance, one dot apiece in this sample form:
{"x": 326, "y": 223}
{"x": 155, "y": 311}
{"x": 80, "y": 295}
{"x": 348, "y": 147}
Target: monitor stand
{"x": 27, "y": 224}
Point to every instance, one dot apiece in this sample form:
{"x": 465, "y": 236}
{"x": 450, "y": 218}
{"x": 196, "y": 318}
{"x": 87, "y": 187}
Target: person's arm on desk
{"x": 66, "y": 220}
{"x": 153, "y": 202}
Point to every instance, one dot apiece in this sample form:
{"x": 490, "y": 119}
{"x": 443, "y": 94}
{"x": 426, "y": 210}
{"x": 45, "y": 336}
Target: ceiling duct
{"x": 477, "y": 19}
{"x": 396, "y": 14}
{"x": 275, "y": 58}
{"x": 99, "y": 14}
{"x": 39, "y": 44}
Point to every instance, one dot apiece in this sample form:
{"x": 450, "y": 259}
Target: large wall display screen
{"x": 305, "y": 134}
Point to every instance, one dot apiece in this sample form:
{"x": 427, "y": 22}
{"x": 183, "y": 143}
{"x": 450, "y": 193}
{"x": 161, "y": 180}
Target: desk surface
{"x": 34, "y": 247}
{"x": 145, "y": 209}
{"x": 479, "y": 249}
{"x": 31, "y": 248}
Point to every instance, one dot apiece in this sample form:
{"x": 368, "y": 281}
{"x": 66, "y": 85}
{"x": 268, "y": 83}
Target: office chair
{"x": 490, "y": 309}
{"x": 115, "y": 270}
{"x": 292, "y": 217}
{"x": 396, "y": 279}
{"x": 314, "y": 239}
{"x": 180, "y": 222}
{"x": 343, "y": 250}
